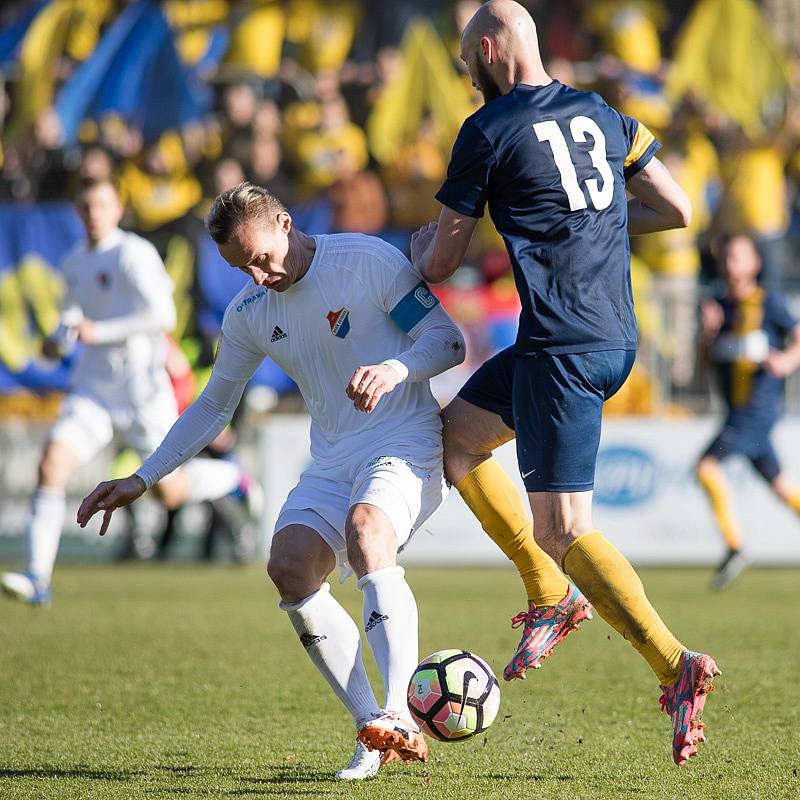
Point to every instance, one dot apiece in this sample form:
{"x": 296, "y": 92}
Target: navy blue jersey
{"x": 552, "y": 162}
{"x": 750, "y": 328}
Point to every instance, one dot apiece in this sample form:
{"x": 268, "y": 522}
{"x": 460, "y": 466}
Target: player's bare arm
{"x": 438, "y": 248}
{"x": 712, "y": 317}
{"x": 658, "y": 202}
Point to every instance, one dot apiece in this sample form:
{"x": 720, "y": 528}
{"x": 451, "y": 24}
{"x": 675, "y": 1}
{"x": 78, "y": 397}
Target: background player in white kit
{"x": 351, "y": 322}
{"x": 119, "y": 305}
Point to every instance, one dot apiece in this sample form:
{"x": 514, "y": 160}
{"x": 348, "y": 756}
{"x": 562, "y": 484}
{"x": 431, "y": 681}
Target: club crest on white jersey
{"x": 339, "y": 322}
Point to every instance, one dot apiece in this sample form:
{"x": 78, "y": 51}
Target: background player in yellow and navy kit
{"x": 553, "y": 165}
{"x": 745, "y": 332}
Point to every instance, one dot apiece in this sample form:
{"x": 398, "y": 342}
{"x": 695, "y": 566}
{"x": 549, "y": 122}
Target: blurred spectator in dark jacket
{"x": 265, "y": 168}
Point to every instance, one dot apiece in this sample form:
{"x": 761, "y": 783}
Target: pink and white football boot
{"x": 545, "y": 627}
{"x": 684, "y": 702}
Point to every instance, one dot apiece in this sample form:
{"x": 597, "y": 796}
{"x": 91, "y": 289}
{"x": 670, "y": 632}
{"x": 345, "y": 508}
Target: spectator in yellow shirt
{"x": 754, "y": 198}
{"x": 320, "y": 33}
{"x": 318, "y": 151}
{"x": 160, "y": 186}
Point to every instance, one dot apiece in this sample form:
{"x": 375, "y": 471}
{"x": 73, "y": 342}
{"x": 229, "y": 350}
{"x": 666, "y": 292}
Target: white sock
{"x": 211, "y": 478}
{"x": 333, "y": 643}
{"x": 44, "y": 531}
{"x": 390, "y": 622}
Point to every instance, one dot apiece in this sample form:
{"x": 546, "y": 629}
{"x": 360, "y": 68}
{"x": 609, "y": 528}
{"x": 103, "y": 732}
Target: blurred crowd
{"x": 347, "y": 109}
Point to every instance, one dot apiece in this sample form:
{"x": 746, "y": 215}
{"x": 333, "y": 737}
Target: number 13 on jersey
{"x": 601, "y": 192}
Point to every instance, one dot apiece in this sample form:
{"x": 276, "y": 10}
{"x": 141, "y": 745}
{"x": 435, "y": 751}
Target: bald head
{"x": 502, "y": 19}
{"x": 500, "y": 47}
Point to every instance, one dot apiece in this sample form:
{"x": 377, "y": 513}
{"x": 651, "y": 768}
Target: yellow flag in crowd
{"x": 629, "y": 29}
{"x": 88, "y": 17}
{"x": 322, "y": 31}
{"x": 257, "y": 40}
{"x": 728, "y": 57}
{"x": 70, "y": 27}
{"x": 193, "y": 21}
{"x": 41, "y": 49}
{"x": 426, "y": 80}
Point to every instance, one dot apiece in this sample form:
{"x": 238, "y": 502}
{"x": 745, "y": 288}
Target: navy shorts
{"x": 751, "y": 441}
{"x": 491, "y": 386}
{"x": 558, "y": 409}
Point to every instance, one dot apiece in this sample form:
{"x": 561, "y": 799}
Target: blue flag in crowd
{"x": 45, "y": 232}
{"x": 136, "y": 73}
{"x": 12, "y": 36}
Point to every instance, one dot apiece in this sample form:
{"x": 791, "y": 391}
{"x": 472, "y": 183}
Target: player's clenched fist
{"x": 780, "y": 364}
{"x": 420, "y": 241}
{"x": 110, "y": 495}
{"x": 369, "y": 384}
{"x": 86, "y": 331}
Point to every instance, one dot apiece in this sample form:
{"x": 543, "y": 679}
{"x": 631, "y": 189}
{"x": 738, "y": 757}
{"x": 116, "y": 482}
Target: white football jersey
{"x": 120, "y": 284}
{"x": 354, "y": 307}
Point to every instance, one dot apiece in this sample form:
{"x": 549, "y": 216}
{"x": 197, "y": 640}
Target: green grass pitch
{"x": 183, "y": 682}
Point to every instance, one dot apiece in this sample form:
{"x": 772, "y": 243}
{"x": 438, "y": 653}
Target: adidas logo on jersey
{"x": 374, "y": 619}
{"x": 277, "y": 334}
{"x": 308, "y": 639}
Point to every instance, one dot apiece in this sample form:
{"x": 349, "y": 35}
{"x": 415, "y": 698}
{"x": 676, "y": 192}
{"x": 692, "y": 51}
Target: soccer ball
{"x": 453, "y": 695}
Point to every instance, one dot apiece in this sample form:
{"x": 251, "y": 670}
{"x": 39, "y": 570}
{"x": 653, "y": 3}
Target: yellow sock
{"x": 713, "y": 481}
{"x": 495, "y": 501}
{"x": 612, "y": 586}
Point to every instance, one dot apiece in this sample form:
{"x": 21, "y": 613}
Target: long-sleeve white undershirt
{"x": 201, "y": 422}
{"x": 438, "y": 346}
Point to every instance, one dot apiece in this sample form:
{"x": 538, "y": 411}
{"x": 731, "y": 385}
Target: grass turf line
{"x": 157, "y": 681}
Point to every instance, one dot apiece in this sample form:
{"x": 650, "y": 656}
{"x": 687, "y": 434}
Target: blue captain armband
{"x": 413, "y": 307}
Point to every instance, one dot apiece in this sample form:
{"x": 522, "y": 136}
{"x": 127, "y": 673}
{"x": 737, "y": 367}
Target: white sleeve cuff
{"x": 399, "y": 367}
{"x": 148, "y": 478}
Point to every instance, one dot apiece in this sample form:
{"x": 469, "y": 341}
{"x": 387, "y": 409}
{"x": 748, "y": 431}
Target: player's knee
{"x": 54, "y": 466}
{"x": 370, "y": 538}
{"x": 173, "y": 491}
{"x": 462, "y": 453}
{"x": 361, "y": 530}
{"x": 288, "y": 574}
{"x": 167, "y": 495}
{"x": 299, "y": 562}
{"x": 779, "y": 486}
{"x": 705, "y": 467}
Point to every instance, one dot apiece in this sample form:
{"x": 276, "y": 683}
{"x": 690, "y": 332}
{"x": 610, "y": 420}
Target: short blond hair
{"x": 233, "y": 207}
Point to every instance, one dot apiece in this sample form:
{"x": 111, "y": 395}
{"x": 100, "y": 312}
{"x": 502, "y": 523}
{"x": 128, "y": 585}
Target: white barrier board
{"x": 646, "y": 498}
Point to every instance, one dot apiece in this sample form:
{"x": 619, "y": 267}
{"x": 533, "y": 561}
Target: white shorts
{"x": 407, "y": 492}
{"x": 87, "y": 426}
